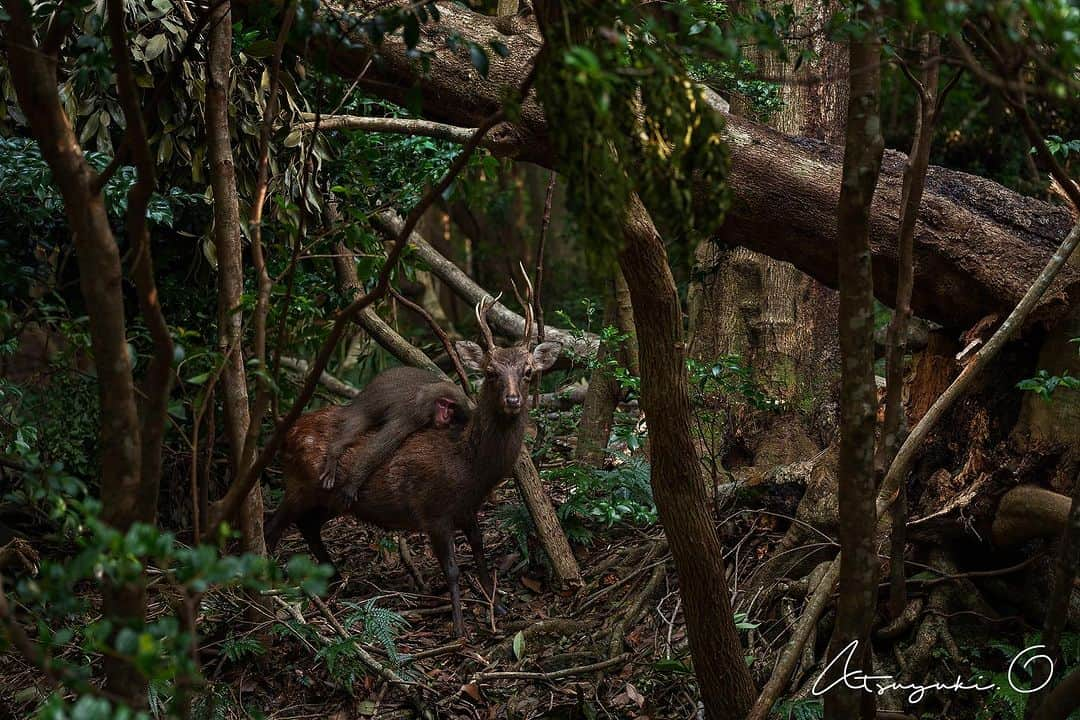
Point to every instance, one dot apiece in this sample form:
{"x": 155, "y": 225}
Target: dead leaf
{"x": 633, "y": 694}
{"x": 472, "y": 691}
{"x": 533, "y": 585}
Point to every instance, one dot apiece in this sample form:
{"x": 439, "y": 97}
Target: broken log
{"x": 978, "y": 245}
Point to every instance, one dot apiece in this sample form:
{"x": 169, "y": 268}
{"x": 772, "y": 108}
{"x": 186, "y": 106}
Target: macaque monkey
{"x": 398, "y": 402}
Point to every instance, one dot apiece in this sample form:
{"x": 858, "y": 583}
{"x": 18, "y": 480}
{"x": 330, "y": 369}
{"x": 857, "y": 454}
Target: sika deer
{"x": 437, "y": 480}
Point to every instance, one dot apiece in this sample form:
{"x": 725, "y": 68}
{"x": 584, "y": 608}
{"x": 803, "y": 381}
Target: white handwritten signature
{"x": 856, "y": 679}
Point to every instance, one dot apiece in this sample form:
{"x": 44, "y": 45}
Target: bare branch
{"x": 451, "y": 352}
{"x": 505, "y": 320}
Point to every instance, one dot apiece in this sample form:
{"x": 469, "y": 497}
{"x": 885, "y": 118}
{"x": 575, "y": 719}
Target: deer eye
{"x": 527, "y": 374}
{"x": 491, "y": 374}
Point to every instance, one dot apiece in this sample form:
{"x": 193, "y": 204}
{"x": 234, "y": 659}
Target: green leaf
{"x": 260, "y": 49}
{"x": 519, "y": 645}
{"x": 155, "y": 46}
{"x": 293, "y": 138}
{"x": 479, "y": 59}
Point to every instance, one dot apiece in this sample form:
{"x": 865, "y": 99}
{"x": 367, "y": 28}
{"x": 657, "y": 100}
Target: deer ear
{"x": 472, "y": 355}
{"x": 545, "y": 354}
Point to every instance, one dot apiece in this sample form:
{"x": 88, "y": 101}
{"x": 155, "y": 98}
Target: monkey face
{"x": 445, "y": 410}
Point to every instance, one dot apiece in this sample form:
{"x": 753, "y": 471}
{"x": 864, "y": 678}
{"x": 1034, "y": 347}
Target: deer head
{"x": 507, "y": 371}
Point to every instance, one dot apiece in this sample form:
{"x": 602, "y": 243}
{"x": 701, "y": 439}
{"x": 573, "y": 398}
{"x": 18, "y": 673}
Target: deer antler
{"x": 481, "y": 309}
{"x": 526, "y": 305}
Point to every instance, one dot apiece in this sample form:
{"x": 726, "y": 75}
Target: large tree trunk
{"x": 726, "y": 687}
{"x": 229, "y": 251}
{"x": 779, "y": 320}
{"x": 786, "y": 189}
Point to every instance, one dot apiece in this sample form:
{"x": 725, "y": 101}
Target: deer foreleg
{"x": 442, "y": 542}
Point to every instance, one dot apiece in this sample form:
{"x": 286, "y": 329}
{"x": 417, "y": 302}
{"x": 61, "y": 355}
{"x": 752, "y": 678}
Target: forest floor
{"x": 614, "y": 648}
{"x": 377, "y": 646}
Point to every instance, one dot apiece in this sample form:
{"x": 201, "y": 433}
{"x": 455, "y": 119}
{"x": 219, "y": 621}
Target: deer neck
{"x": 494, "y": 440}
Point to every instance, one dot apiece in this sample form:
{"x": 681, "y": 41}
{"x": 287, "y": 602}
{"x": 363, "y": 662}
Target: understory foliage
{"x": 72, "y": 635}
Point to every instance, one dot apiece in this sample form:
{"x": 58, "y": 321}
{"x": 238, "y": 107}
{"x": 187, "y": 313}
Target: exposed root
{"x": 631, "y": 615}
{"x": 554, "y": 674}
{"x": 933, "y": 628}
{"x": 1027, "y": 512}
{"x": 902, "y": 623}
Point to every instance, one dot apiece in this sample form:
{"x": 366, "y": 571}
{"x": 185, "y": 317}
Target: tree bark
{"x": 858, "y": 393}
{"x": 785, "y": 188}
{"x": 781, "y": 321}
{"x": 229, "y": 252}
{"x": 726, "y": 687}
{"x": 1062, "y": 700}
{"x": 928, "y": 101}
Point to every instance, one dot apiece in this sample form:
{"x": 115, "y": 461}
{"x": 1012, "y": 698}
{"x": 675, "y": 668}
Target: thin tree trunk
{"x": 727, "y": 689}
{"x": 858, "y": 394}
{"x": 601, "y": 399}
{"x": 624, "y": 320}
{"x": 926, "y": 88}
{"x": 229, "y": 251}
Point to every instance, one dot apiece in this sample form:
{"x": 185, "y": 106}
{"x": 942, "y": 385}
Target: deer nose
{"x": 513, "y": 401}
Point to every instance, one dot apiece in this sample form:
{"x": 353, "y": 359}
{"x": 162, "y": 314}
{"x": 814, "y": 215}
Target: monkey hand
{"x": 327, "y": 476}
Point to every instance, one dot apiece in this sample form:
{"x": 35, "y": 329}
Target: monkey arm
{"x": 354, "y": 425}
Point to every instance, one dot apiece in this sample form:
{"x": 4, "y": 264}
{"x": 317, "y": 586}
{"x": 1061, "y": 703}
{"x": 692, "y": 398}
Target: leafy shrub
{"x": 605, "y": 497}
{"x": 73, "y": 634}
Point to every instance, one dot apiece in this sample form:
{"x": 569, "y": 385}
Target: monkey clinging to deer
{"x": 398, "y": 402}
{"x": 436, "y": 480}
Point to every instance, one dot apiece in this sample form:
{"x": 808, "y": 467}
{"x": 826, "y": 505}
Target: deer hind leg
{"x": 442, "y": 542}
{"x": 310, "y": 524}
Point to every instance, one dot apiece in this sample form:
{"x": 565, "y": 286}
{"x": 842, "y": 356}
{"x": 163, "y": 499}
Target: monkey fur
{"x": 398, "y": 402}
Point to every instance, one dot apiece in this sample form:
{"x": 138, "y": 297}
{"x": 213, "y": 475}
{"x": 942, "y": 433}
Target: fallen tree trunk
{"x": 978, "y": 245}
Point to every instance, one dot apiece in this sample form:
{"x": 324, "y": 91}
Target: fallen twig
{"x": 554, "y": 674}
